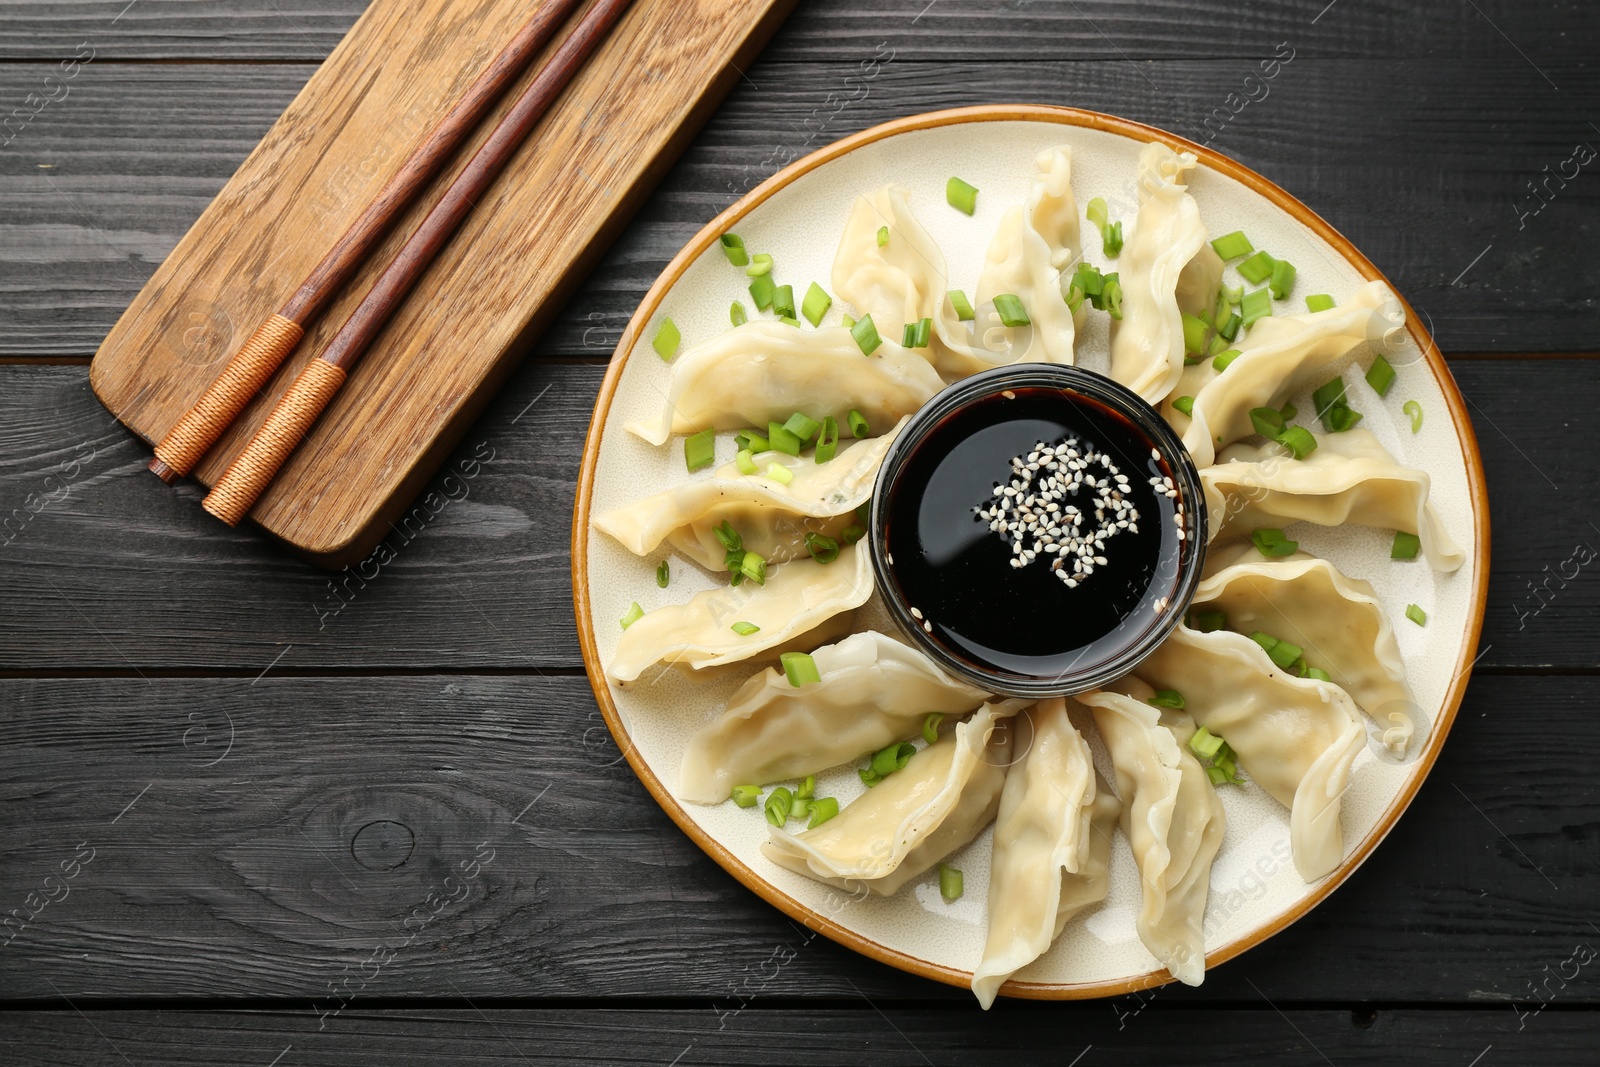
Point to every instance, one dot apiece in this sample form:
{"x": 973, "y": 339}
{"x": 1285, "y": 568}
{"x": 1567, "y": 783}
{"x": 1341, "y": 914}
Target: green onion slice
{"x": 1284, "y": 653}
{"x": 1010, "y": 310}
{"x": 1205, "y": 744}
{"x": 1194, "y": 334}
{"x": 963, "y": 306}
{"x": 779, "y": 803}
{"x": 746, "y": 795}
{"x": 883, "y": 236}
{"x": 1271, "y": 542}
{"x": 858, "y": 424}
{"x": 1298, "y": 440}
{"x": 930, "y": 726}
{"x": 866, "y": 335}
{"x": 781, "y": 439}
{"x": 635, "y": 613}
{"x": 800, "y": 668}
{"x": 1414, "y": 411}
{"x": 1111, "y": 296}
{"x": 745, "y": 629}
{"x": 760, "y": 265}
{"x": 1283, "y": 274}
{"x": 728, "y": 537}
{"x": 823, "y": 549}
{"x": 762, "y": 291}
{"x": 733, "y": 248}
{"x": 1380, "y": 375}
{"x": 827, "y": 440}
{"x": 746, "y": 461}
{"x": 754, "y": 566}
{"x": 1289, "y": 411}
{"x": 802, "y": 426}
{"x": 666, "y": 339}
{"x": 663, "y": 574}
{"x": 1232, "y": 246}
{"x": 783, "y": 301}
{"x": 736, "y": 314}
{"x": 950, "y": 883}
{"x": 1257, "y": 269}
{"x": 1416, "y": 615}
{"x": 1319, "y": 302}
{"x": 1318, "y": 674}
{"x": 868, "y": 778}
{"x": 1405, "y": 545}
{"x": 1184, "y": 404}
{"x": 1268, "y": 422}
{"x": 1208, "y": 621}
{"x": 822, "y": 809}
{"x": 1232, "y": 293}
{"x": 894, "y": 758}
{"x": 961, "y": 196}
{"x": 816, "y": 304}
{"x": 1216, "y": 775}
{"x": 750, "y": 441}
{"x": 917, "y": 334}
{"x": 1096, "y": 211}
{"x": 807, "y": 788}
{"x": 700, "y": 450}
{"x": 1221, "y": 362}
{"x": 1111, "y": 239}
{"x": 779, "y": 473}
{"x": 852, "y": 533}
{"x": 1255, "y": 305}
{"x": 1167, "y": 698}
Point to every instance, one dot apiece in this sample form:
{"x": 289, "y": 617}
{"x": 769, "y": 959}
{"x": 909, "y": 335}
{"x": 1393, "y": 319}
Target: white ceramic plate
{"x": 798, "y": 216}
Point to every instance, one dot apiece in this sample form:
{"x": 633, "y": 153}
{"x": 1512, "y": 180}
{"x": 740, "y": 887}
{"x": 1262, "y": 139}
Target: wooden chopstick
{"x": 260, "y": 357}
{"x": 232, "y": 497}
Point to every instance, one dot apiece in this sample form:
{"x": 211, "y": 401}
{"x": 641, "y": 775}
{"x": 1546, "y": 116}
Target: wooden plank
{"x": 123, "y": 573}
{"x": 96, "y": 196}
{"x": 855, "y": 1034}
{"x": 1021, "y": 31}
{"x": 225, "y": 817}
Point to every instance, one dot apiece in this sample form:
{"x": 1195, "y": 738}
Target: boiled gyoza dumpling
{"x": 1295, "y": 737}
{"x": 1200, "y": 282}
{"x": 771, "y": 517}
{"x": 1147, "y": 343}
{"x": 765, "y": 371}
{"x": 1280, "y": 356}
{"x": 1173, "y": 820}
{"x": 874, "y": 691}
{"x": 1349, "y": 479}
{"x": 796, "y": 599}
{"x": 1052, "y": 841}
{"x": 1338, "y": 620}
{"x": 913, "y": 818}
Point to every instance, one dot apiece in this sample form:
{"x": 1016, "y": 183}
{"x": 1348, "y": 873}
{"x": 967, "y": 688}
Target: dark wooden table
{"x": 243, "y": 775}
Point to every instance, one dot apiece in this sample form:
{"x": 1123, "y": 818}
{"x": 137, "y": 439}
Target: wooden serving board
{"x": 558, "y": 205}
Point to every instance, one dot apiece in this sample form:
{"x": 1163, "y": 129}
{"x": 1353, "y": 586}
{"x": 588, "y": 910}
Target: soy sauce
{"x": 957, "y": 572}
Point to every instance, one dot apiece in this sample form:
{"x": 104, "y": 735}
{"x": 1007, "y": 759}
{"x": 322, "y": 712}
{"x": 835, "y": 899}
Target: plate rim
{"x": 1064, "y": 116}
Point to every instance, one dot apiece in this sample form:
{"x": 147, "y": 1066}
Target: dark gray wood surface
{"x": 233, "y": 751}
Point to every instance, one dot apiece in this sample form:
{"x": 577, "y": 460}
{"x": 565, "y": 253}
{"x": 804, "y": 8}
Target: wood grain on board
{"x": 559, "y": 202}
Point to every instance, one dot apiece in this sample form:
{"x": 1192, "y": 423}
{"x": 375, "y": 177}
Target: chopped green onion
{"x": 822, "y": 809}
{"x": 754, "y": 566}
{"x": 1167, "y": 698}
{"x": 1271, "y": 542}
{"x": 1229, "y": 328}
{"x": 883, "y": 236}
{"x": 746, "y": 796}
{"x": 736, "y": 314}
{"x": 1208, "y": 621}
{"x": 1298, "y": 440}
{"x": 894, "y": 758}
{"x": 823, "y": 549}
{"x": 789, "y": 320}
{"x": 733, "y": 248}
{"x": 858, "y": 424}
{"x": 1318, "y": 674}
{"x": 635, "y": 613}
{"x": 963, "y": 306}
{"x": 762, "y": 291}
{"x": 1283, "y": 274}
{"x": 745, "y": 629}
{"x": 1414, "y": 410}
{"x": 779, "y": 439}
{"x": 760, "y": 265}
{"x": 779, "y": 803}
{"x": 917, "y": 334}
{"x": 1333, "y": 408}
{"x": 1327, "y": 395}
{"x": 733, "y": 561}
{"x": 827, "y": 440}
{"x": 1380, "y": 375}
{"x": 1257, "y": 269}
{"x": 1096, "y": 212}
{"x": 852, "y": 533}
{"x": 807, "y": 788}
{"x": 1010, "y": 310}
{"x": 1111, "y": 296}
{"x": 1227, "y": 762}
{"x": 802, "y": 808}
{"x": 1190, "y": 361}
{"x": 816, "y": 304}
{"x": 1232, "y": 294}
{"x": 1416, "y": 615}
{"x": 866, "y": 335}
{"x": 779, "y": 473}
{"x": 1289, "y": 412}
{"x": 930, "y": 726}
{"x": 700, "y": 450}
{"x": 750, "y": 440}
{"x": 1221, "y": 362}
{"x": 1111, "y": 239}
{"x": 663, "y": 574}
{"x": 961, "y": 196}
{"x": 1342, "y": 418}
{"x": 802, "y": 426}
{"x": 1319, "y": 302}
{"x": 1405, "y": 545}
{"x": 800, "y": 668}
{"x": 1285, "y": 653}
{"x": 847, "y": 320}
{"x": 667, "y": 339}
{"x": 746, "y": 461}
{"x": 783, "y": 302}
{"x": 1255, "y": 305}
{"x": 1268, "y": 422}
{"x": 868, "y": 778}
{"x": 1232, "y": 246}
{"x": 950, "y": 883}
{"x": 1205, "y": 744}
{"x": 1184, "y": 404}
{"x": 1265, "y": 640}
{"x": 1217, "y": 776}
{"x": 1194, "y": 334}
{"x": 728, "y": 536}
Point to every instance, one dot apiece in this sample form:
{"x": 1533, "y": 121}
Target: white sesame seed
{"x": 916, "y": 613}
